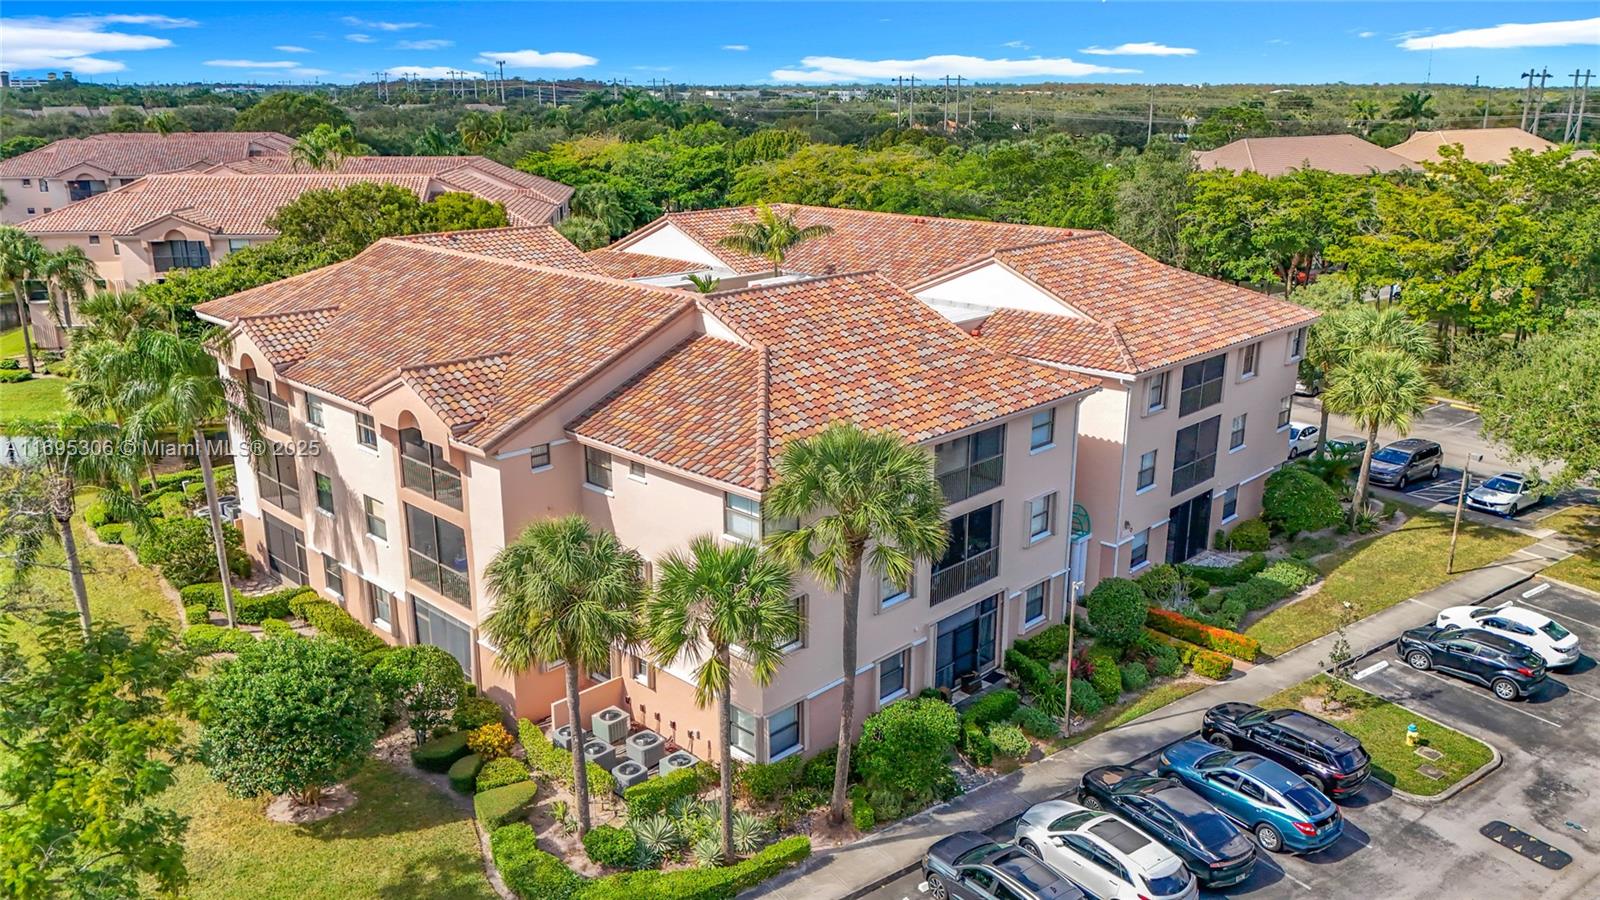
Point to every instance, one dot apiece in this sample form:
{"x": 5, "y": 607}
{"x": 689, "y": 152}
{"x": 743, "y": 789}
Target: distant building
{"x": 1344, "y": 154}
{"x": 1481, "y": 145}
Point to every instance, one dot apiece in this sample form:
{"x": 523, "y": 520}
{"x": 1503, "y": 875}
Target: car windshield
{"x": 1348, "y": 759}
{"x": 1391, "y": 455}
{"x": 1555, "y": 631}
{"x": 1169, "y": 884}
{"x": 975, "y": 854}
{"x": 1306, "y": 799}
{"x": 1503, "y": 485}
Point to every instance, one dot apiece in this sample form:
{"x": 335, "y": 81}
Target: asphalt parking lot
{"x": 1548, "y": 786}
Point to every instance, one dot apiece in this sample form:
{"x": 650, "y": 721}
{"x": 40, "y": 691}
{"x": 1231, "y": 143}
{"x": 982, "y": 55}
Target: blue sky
{"x": 732, "y": 42}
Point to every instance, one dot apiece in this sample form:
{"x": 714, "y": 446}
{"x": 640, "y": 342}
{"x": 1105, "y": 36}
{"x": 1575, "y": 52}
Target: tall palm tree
{"x": 162, "y": 123}
{"x": 706, "y": 603}
{"x": 566, "y": 593}
{"x": 325, "y": 148}
{"x": 434, "y": 141}
{"x": 1345, "y": 333}
{"x": 771, "y": 236}
{"x": 1363, "y": 113}
{"x": 21, "y": 255}
{"x": 115, "y": 315}
{"x": 67, "y": 272}
{"x": 480, "y": 130}
{"x": 1413, "y": 107}
{"x": 1376, "y": 388}
{"x": 859, "y": 489}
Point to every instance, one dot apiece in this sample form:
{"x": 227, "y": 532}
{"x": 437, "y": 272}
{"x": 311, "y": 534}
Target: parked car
{"x": 1102, "y": 854}
{"x": 1350, "y": 444}
{"x": 1505, "y": 494}
{"x": 969, "y": 866}
{"x": 1538, "y": 632}
{"x": 1502, "y": 665}
{"x": 1301, "y": 389}
{"x": 1208, "y": 842}
{"x": 1302, "y": 438}
{"x": 1332, "y": 761}
{"x": 1280, "y": 808}
{"x": 1405, "y": 461}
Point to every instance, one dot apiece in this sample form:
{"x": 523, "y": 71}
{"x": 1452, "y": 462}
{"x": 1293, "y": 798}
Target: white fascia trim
{"x": 212, "y": 319}
{"x": 528, "y": 450}
{"x": 1267, "y": 471}
{"x": 665, "y": 467}
{"x": 827, "y": 687}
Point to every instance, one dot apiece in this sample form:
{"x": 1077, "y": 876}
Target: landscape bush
{"x": 331, "y": 621}
{"x": 503, "y": 805}
{"x": 555, "y": 764}
{"x": 1008, "y": 740}
{"x": 423, "y": 685}
{"x": 1161, "y": 584}
{"x": 1206, "y": 663}
{"x": 975, "y": 745}
{"x": 440, "y": 753}
{"x": 490, "y": 741}
{"x": 1103, "y": 672}
{"x": 654, "y": 795}
{"x": 1297, "y": 500}
{"x": 96, "y": 514}
{"x": 1117, "y": 610}
{"x": 501, "y": 772}
{"x": 196, "y": 613}
{"x": 995, "y": 706}
{"x": 111, "y": 532}
{"x": 182, "y": 547}
{"x": 861, "y": 815}
{"x": 252, "y": 609}
{"x": 463, "y": 773}
{"x": 474, "y": 712}
{"x": 206, "y": 592}
{"x": 204, "y": 639}
{"x": 1134, "y": 675}
{"x": 903, "y": 755}
{"x": 1250, "y": 536}
{"x": 1164, "y": 661}
{"x": 14, "y": 376}
{"x": 767, "y": 782}
{"x": 1036, "y": 723}
{"x": 819, "y": 769}
{"x": 1234, "y": 644}
{"x": 611, "y": 846}
{"x": 1047, "y": 646}
{"x": 276, "y": 628}
{"x": 713, "y": 883}
{"x": 1085, "y": 698}
{"x": 529, "y": 872}
{"x": 1044, "y": 686}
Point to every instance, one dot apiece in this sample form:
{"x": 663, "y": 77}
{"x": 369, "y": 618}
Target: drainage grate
{"x": 1430, "y": 772}
{"x": 1429, "y": 754}
{"x": 1526, "y": 844}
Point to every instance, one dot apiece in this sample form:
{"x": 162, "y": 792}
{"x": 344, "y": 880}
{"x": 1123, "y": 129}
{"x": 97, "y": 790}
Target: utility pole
{"x": 911, "y": 104}
{"x": 502, "y": 65}
{"x": 1538, "y": 108}
{"x": 946, "y": 121}
{"x": 898, "y": 81}
{"x": 1150, "y": 118}
{"x": 1527, "y": 98}
{"x": 1575, "y": 123}
{"x": 958, "y": 100}
{"x": 1461, "y": 501}
{"x": 1583, "y": 101}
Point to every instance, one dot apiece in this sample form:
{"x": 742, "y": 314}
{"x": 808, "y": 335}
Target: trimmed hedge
{"x": 718, "y": 883}
{"x": 464, "y": 773}
{"x": 196, "y": 613}
{"x": 1206, "y": 663}
{"x": 475, "y": 712}
{"x": 1085, "y": 699}
{"x": 501, "y": 772}
{"x": 504, "y": 805}
{"x": 205, "y": 639}
{"x": 1036, "y": 723}
{"x": 111, "y": 532}
{"x": 654, "y": 795}
{"x": 529, "y": 872}
{"x": 975, "y": 745}
{"x": 995, "y": 706}
{"x": 1227, "y": 576}
{"x": 766, "y": 782}
{"x": 276, "y": 628}
{"x": 331, "y": 621}
{"x": 1103, "y": 673}
{"x": 1008, "y": 740}
{"x": 1047, "y": 646}
{"x": 252, "y": 609}
{"x": 611, "y": 846}
{"x": 1251, "y": 536}
{"x": 555, "y": 764}
{"x": 1160, "y": 583}
{"x": 207, "y": 592}
{"x": 439, "y": 754}
{"x": 1044, "y": 686}
{"x": 1234, "y": 644}
{"x": 1134, "y": 675}
{"x": 1296, "y": 500}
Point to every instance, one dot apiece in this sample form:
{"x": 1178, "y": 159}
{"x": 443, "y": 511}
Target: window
{"x": 237, "y": 244}
{"x": 891, "y": 594}
{"x": 1297, "y": 344}
{"x": 1139, "y": 553}
{"x": 1202, "y": 384}
{"x": 1194, "y": 459}
{"x": 783, "y": 731}
{"x": 438, "y": 554}
{"x": 376, "y": 526}
{"x": 366, "y": 431}
{"x": 972, "y": 556}
{"x": 324, "y": 493}
{"x": 1147, "y": 470}
{"x": 1035, "y": 602}
{"x": 332, "y": 575}
{"x": 286, "y": 549}
{"x": 1249, "y": 360}
{"x": 641, "y": 670}
{"x": 636, "y": 471}
{"x": 597, "y": 468}
{"x": 539, "y": 457}
{"x": 1156, "y": 393}
{"x": 970, "y": 465}
{"x": 169, "y": 255}
{"x": 94, "y": 239}
{"x": 84, "y": 189}
{"x": 314, "y": 411}
{"x": 1285, "y": 405}
{"x": 1043, "y": 433}
{"x": 741, "y": 517}
{"x": 380, "y": 603}
{"x": 797, "y": 640}
{"x": 31, "y": 210}
{"x": 44, "y": 186}
{"x": 1040, "y": 513}
{"x": 744, "y": 732}
{"x": 892, "y": 676}
{"x": 277, "y": 482}
{"x": 1236, "y": 432}
{"x": 116, "y": 248}
{"x": 424, "y": 469}
{"x": 27, "y": 182}
{"x": 275, "y": 408}
{"x": 1230, "y": 503}
{"x": 436, "y": 627}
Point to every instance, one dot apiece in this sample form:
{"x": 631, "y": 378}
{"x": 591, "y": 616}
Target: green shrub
{"x": 1226, "y": 576}
{"x": 529, "y": 872}
{"x": 1206, "y": 663}
{"x": 819, "y": 770}
{"x": 14, "y": 376}
{"x": 995, "y": 706}
{"x": 301, "y": 602}
{"x": 717, "y": 883}
{"x": 1164, "y": 661}
{"x": 96, "y": 514}
{"x": 1134, "y": 675}
{"x": 555, "y": 764}
{"x": 1008, "y": 740}
{"x": 1036, "y": 723}
{"x": 440, "y": 753}
{"x": 252, "y": 609}
{"x": 490, "y": 741}
{"x": 611, "y": 846}
{"x": 975, "y": 745}
{"x": 1160, "y": 584}
{"x": 862, "y": 816}
{"x": 1117, "y": 610}
{"x": 276, "y": 628}
{"x": 10, "y": 362}
{"x": 475, "y": 712}
{"x": 1043, "y": 685}
{"x": 501, "y": 772}
{"x": 1250, "y": 536}
{"x": 504, "y": 805}
{"x": 1296, "y": 500}
{"x": 1047, "y": 646}
{"x": 111, "y": 533}
{"x": 205, "y": 639}
{"x": 1103, "y": 672}
{"x": 1292, "y": 576}
{"x": 331, "y": 621}
{"x": 766, "y": 782}
{"x": 207, "y": 592}
{"x": 196, "y": 613}
{"x": 1085, "y": 698}
{"x": 654, "y": 795}
{"x": 464, "y": 773}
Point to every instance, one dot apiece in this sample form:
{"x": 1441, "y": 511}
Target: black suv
{"x": 1498, "y": 663}
{"x": 1405, "y": 461}
{"x": 1208, "y": 842}
{"x": 1332, "y": 761}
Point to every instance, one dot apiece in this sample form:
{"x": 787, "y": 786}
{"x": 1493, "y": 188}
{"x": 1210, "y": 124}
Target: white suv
{"x": 1538, "y": 632}
{"x": 1102, "y": 854}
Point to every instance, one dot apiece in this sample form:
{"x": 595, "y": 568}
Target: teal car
{"x": 1283, "y": 811}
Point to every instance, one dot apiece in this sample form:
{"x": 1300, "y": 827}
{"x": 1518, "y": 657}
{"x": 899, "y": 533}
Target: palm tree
{"x": 66, "y": 272}
{"x": 435, "y": 142}
{"x": 116, "y": 315}
{"x": 564, "y": 593}
{"x": 771, "y": 236}
{"x": 1413, "y": 107}
{"x": 162, "y": 123}
{"x": 706, "y": 603}
{"x": 325, "y": 148}
{"x": 1377, "y": 387}
{"x": 479, "y": 130}
{"x": 21, "y": 255}
{"x": 1341, "y": 335}
{"x": 862, "y": 488}
{"x": 705, "y": 284}
{"x": 1363, "y": 113}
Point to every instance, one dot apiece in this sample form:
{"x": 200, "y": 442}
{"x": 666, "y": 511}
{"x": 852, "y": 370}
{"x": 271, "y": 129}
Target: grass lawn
{"x": 1581, "y": 523}
{"x": 1171, "y": 692}
{"x": 11, "y": 341}
{"x": 1375, "y": 574}
{"x": 40, "y": 397}
{"x": 1381, "y": 728}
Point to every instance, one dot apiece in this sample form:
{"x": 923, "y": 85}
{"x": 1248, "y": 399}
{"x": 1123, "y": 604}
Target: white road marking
{"x": 1428, "y": 605}
{"x": 922, "y": 887}
{"x": 1499, "y": 703}
{"x": 1551, "y": 612}
{"x": 1534, "y": 592}
{"x": 1285, "y": 873}
{"x": 1577, "y": 691}
{"x": 1372, "y": 669}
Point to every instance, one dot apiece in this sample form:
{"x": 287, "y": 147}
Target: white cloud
{"x": 1140, "y": 48}
{"x": 1511, "y": 35}
{"x": 1018, "y": 45}
{"x": 354, "y": 22}
{"x": 831, "y": 69}
{"x": 535, "y": 59}
{"x": 429, "y": 72}
{"x": 360, "y": 38}
{"x": 429, "y": 44}
{"x": 73, "y": 42}
{"x": 252, "y": 64}
{"x": 740, "y": 48}
{"x": 1366, "y": 34}
{"x": 291, "y": 48}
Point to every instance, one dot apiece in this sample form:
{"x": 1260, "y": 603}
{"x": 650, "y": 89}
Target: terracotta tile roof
{"x": 1481, "y": 145}
{"x": 134, "y": 154}
{"x": 538, "y": 187}
{"x": 1066, "y": 340}
{"x": 287, "y": 337}
{"x": 239, "y": 204}
{"x": 904, "y": 249}
{"x": 1272, "y": 156}
{"x": 522, "y": 207}
{"x": 460, "y": 328}
{"x": 538, "y": 244}
{"x": 846, "y": 348}
{"x": 1161, "y": 313}
{"x": 621, "y": 264}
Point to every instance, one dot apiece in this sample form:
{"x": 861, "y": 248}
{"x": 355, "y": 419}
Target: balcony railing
{"x": 965, "y": 575}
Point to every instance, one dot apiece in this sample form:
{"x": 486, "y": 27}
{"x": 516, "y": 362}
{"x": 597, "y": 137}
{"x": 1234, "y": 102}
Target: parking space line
{"x": 1550, "y": 612}
{"x": 1579, "y": 691}
{"x": 1285, "y": 873}
{"x": 1498, "y": 703}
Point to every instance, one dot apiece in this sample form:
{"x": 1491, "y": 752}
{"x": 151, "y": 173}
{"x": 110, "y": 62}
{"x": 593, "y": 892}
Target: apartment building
{"x": 656, "y": 413}
{"x": 73, "y": 169}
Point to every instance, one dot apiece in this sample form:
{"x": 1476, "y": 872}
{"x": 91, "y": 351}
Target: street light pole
{"x": 1461, "y": 502}
{"x": 1073, "y": 587}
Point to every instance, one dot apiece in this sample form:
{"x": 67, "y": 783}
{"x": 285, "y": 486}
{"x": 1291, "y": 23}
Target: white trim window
{"x": 597, "y": 468}
{"x": 366, "y": 431}
{"x": 377, "y": 526}
{"x": 324, "y": 486}
{"x": 1139, "y": 550}
{"x": 892, "y": 671}
{"x": 539, "y": 457}
{"x": 1041, "y": 517}
{"x": 1249, "y": 361}
{"x": 784, "y": 733}
{"x": 1156, "y": 393}
{"x": 891, "y": 594}
{"x": 741, "y": 517}
{"x": 380, "y": 603}
{"x": 1147, "y": 471}
{"x": 797, "y": 640}
{"x": 744, "y": 733}
{"x": 637, "y": 471}
{"x": 1035, "y": 604}
{"x": 332, "y": 575}
{"x": 641, "y": 670}
{"x": 1230, "y": 504}
{"x": 1285, "y": 410}
{"x": 1042, "y": 431}
{"x": 1297, "y": 344}
{"x": 314, "y": 416}
{"x": 1236, "y": 432}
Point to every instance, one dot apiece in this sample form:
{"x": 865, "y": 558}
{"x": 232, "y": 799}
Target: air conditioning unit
{"x": 645, "y": 748}
{"x": 601, "y": 754}
{"x": 629, "y": 773}
{"x": 562, "y": 737}
{"x": 611, "y": 724}
{"x": 672, "y": 762}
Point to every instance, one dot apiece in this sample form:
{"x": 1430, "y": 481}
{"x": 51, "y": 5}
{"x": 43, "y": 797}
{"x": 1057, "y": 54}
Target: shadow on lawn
{"x": 437, "y": 875}
{"x": 388, "y": 803}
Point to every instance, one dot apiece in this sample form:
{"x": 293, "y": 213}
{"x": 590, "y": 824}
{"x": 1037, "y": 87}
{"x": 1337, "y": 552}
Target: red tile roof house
{"x": 1197, "y": 376}
{"x": 656, "y": 413}
{"x": 74, "y": 169}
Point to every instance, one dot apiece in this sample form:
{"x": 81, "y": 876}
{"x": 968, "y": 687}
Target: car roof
{"x": 1503, "y": 644}
{"x": 1131, "y": 843}
{"x": 1525, "y": 616}
{"x": 1040, "y": 879}
{"x": 1051, "y": 810}
{"x": 1311, "y": 728}
{"x": 1410, "y": 444}
{"x": 1514, "y": 476}
{"x": 1268, "y": 772}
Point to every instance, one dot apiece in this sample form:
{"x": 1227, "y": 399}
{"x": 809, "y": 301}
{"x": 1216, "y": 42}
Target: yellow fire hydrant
{"x": 1411, "y": 735}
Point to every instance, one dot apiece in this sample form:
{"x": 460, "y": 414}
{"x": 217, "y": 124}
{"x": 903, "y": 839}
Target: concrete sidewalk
{"x": 885, "y": 854}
